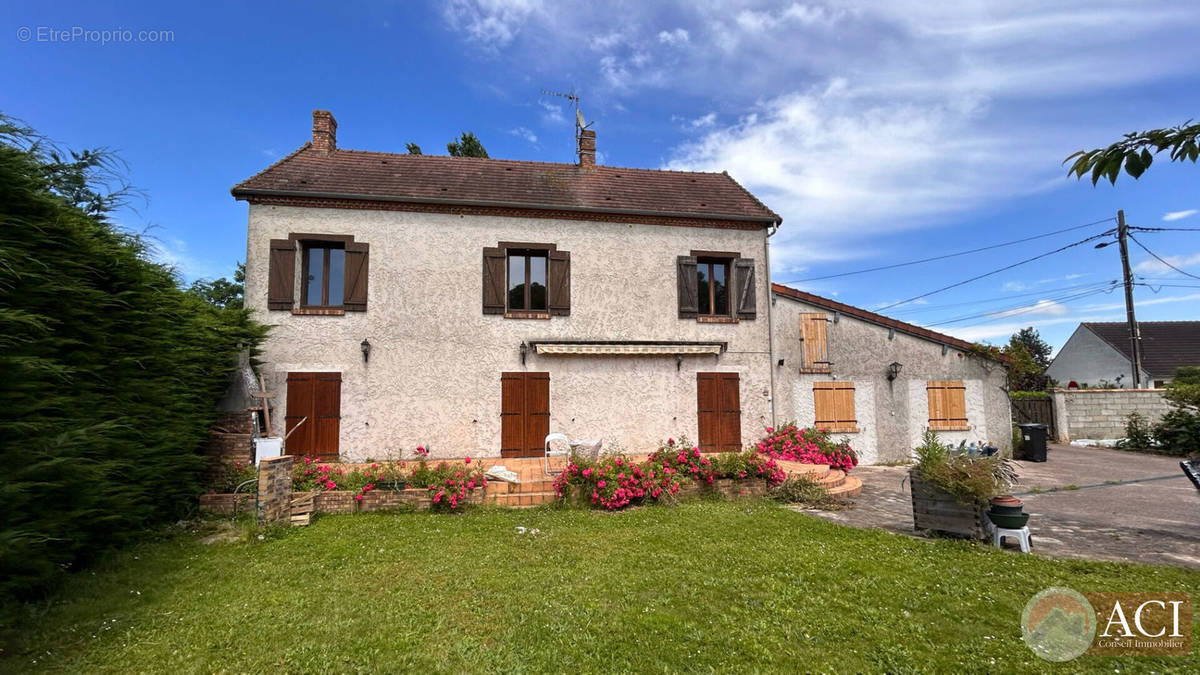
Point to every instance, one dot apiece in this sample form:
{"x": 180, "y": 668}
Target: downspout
{"x": 770, "y": 317}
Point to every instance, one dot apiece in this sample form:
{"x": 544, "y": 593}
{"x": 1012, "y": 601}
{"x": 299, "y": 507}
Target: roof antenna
{"x": 580, "y": 123}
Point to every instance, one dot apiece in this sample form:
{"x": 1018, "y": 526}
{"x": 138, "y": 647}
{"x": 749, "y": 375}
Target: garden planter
{"x": 938, "y": 510}
{"x": 1011, "y": 521}
{"x": 733, "y": 488}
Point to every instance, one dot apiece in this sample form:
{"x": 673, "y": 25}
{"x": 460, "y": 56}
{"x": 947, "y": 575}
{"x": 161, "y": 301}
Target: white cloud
{"x": 1142, "y": 302}
{"x": 490, "y": 23}
{"x": 552, "y": 112}
{"x": 174, "y": 252}
{"x": 1003, "y": 330}
{"x": 1153, "y": 266}
{"x": 1171, "y": 216}
{"x": 525, "y": 133}
{"x": 704, "y": 121}
{"x": 1039, "y": 308}
{"x": 678, "y": 36}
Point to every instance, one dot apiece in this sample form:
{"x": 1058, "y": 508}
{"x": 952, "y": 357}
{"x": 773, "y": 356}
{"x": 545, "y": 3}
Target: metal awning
{"x": 627, "y": 348}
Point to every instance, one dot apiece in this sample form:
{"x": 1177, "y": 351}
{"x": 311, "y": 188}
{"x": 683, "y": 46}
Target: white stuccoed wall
{"x": 866, "y": 441}
{"x": 434, "y": 372}
{"x": 918, "y": 415}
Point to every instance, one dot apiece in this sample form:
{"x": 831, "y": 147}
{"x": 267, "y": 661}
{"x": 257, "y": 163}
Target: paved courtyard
{"x": 1152, "y": 521}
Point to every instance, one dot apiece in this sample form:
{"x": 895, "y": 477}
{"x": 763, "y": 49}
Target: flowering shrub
{"x": 811, "y": 446}
{"x": 614, "y": 481}
{"x": 448, "y": 484}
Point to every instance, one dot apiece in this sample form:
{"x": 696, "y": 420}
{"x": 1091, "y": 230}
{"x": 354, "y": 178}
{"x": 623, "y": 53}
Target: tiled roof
{"x": 851, "y": 310}
{"x": 1166, "y": 345}
{"x": 355, "y": 174}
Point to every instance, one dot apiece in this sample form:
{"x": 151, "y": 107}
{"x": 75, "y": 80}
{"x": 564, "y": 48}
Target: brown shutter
{"x": 947, "y": 405}
{"x": 327, "y": 409}
{"x": 834, "y": 406}
{"x": 816, "y": 347}
{"x": 689, "y": 305}
{"x": 558, "y": 280}
{"x": 743, "y": 273}
{"x": 512, "y": 408}
{"x": 730, "y": 423}
{"x": 707, "y": 389}
{"x": 537, "y": 413}
{"x": 493, "y": 281}
{"x": 358, "y": 257}
{"x": 299, "y": 412}
{"x": 281, "y": 274}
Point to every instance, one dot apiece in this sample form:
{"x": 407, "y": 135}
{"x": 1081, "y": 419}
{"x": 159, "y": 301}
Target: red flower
{"x": 467, "y": 460}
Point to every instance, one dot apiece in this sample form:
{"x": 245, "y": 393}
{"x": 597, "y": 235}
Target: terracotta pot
{"x": 1006, "y": 500}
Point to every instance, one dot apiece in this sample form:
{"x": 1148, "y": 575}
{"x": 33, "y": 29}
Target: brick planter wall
{"x": 224, "y": 504}
{"x": 229, "y": 440}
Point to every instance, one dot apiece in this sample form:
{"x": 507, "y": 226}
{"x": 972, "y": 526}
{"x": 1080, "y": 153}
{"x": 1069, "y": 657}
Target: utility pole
{"x": 1135, "y": 333}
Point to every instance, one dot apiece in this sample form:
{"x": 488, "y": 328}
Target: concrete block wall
{"x": 1101, "y": 413}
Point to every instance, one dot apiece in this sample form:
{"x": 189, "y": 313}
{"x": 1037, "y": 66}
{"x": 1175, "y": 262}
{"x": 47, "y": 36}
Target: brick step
{"x": 850, "y": 487}
{"x": 813, "y": 471}
{"x": 525, "y": 499}
{"x": 832, "y": 478}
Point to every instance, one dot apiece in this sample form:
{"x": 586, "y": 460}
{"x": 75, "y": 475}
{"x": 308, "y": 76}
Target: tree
{"x": 413, "y": 148}
{"x": 466, "y": 146}
{"x": 222, "y": 293}
{"x": 1037, "y": 347}
{"x": 1135, "y": 152}
{"x": 1023, "y": 371}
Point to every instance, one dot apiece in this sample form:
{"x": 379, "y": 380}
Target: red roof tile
{"x": 851, "y": 310}
{"x": 355, "y": 174}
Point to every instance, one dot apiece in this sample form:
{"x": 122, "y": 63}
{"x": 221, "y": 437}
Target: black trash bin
{"x": 1033, "y": 447}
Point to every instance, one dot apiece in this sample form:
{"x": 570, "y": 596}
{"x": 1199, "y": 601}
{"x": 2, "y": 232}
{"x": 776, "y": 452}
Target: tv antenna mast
{"x": 580, "y": 122}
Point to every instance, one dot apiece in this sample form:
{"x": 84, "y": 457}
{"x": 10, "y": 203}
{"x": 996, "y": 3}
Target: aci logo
{"x": 1058, "y": 624}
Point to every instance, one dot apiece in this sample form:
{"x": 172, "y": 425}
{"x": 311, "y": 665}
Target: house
{"x": 473, "y": 305}
{"x": 1101, "y": 355}
{"x": 881, "y": 382}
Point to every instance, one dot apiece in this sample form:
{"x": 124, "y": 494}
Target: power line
{"x": 1159, "y": 259}
{"x": 1165, "y": 229}
{"x": 1040, "y": 292}
{"x": 1026, "y": 309}
{"x": 948, "y": 255}
{"x": 997, "y": 271}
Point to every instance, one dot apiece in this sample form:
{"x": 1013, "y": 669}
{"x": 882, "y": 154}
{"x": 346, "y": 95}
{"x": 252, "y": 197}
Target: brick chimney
{"x": 587, "y": 149}
{"x": 324, "y": 138}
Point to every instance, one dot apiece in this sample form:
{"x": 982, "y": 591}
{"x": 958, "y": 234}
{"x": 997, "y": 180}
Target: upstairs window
{"x": 712, "y": 286}
{"x": 526, "y": 280}
{"x": 814, "y": 339}
{"x": 324, "y": 274}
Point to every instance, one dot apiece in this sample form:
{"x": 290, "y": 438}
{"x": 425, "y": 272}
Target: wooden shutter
{"x": 947, "y": 405}
{"x": 327, "y": 413}
{"x": 281, "y": 274}
{"x": 689, "y": 305}
{"x": 358, "y": 256}
{"x": 816, "y": 347}
{"x": 707, "y": 389}
{"x": 493, "y": 281}
{"x": 558, "y": 281}
{"x": 524, "y": 414}
{"x": 743, "y": 273}
{"x": 718, "y": 412}
{"x": 537, "y": 413}
{"x": 299, "y": 411}
{"x": 730, "y": 421}
{"x": 834, "y": 406}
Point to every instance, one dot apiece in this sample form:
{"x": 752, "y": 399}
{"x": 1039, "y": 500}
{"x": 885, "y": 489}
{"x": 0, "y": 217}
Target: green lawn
{"x": 702, "y": 586}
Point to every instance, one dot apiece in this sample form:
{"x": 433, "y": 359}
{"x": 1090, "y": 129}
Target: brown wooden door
{"x": 719, "y": 412}
{"x": 314, "y": 403}
{"x": 524, "y": 413}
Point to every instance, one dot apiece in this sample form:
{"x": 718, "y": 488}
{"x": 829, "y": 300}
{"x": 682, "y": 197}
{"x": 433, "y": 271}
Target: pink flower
{"x": 670, "y": 441}
{"x": 358, "y": 498}
{"x": 601, "y": 484}
{"x": 467, "y": 460}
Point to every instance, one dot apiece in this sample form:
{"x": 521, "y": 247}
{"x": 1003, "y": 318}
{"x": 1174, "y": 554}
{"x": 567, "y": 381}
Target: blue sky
{"x": 881, "y": 131}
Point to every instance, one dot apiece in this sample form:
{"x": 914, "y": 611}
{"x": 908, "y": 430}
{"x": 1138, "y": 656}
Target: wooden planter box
{"x": 938, "y": 510}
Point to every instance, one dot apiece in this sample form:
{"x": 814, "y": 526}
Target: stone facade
{"x": 892, "y": 415}
{"x": 1101, "y": 413}
{"x": 433, "y": 376}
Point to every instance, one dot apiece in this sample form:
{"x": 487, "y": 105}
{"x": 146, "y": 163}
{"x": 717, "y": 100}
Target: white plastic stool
{"x": 1022, "y": 535}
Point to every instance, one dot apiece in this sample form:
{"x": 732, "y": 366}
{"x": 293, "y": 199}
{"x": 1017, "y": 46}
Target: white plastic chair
{"x": 565, "y": 452}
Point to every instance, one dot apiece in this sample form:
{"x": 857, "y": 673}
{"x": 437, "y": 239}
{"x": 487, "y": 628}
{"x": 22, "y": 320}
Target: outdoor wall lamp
{"x": 893, "y": 370}
{"x": 780, "y": 363}
{"x": 524, "y": 351}
{"x": 678, "y": 362}
{"x": 365, "y": 345}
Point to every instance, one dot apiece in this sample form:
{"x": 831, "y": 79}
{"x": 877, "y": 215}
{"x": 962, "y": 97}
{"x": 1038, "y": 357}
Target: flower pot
{"x": 1010, "y": 522}
{"x": 1006, "y": 500}
{"x": 1005, "y": 510}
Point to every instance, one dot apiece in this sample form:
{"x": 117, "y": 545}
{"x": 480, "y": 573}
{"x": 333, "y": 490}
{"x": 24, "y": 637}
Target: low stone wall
{"x": 336, "y": 501}
{"x": 1101, "y": 413}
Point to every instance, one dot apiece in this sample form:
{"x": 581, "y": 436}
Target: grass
{"x": 702, "y": 586}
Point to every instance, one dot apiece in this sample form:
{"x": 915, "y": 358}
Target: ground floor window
{"x": 313, "y": 416}
{"x": 718, "y": 412}
{"x": 947, "y": 405}
{"x": 524, "y": 413}
{"x": 833, "y": 403}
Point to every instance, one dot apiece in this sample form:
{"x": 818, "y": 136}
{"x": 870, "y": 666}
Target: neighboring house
{"x": 881, "y": 382}
{"x": 1100, "y": 354}
{"x": 473, "y": 305}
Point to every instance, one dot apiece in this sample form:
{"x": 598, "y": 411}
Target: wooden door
{"x": 314, "y": 403}
{"x": 524, "y": 413}
{"x": 719, "y": 412}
